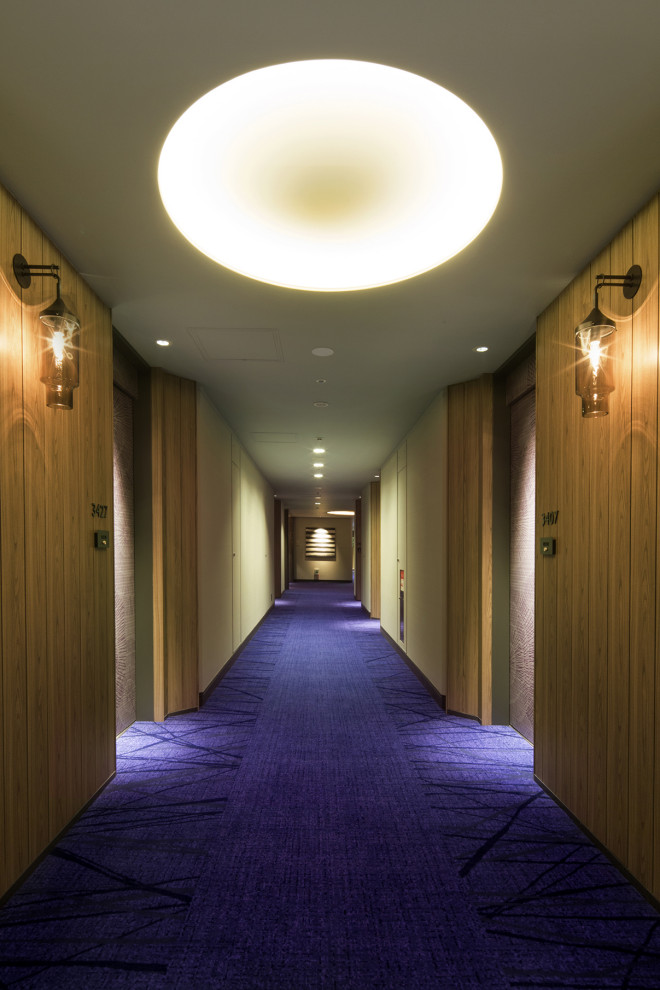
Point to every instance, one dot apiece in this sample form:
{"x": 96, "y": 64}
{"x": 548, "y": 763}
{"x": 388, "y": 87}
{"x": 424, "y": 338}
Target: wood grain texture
{"x": 55, "y": 616}
{"x": 560, "y": 699}
{"x": 158, "y": 570}
{"x": 12, "y": 560}
{"x": 581, "y": 510}
{"x": 618, "y": 592}
{"x": 522, "y": 562}
{"x": 485, "y": 701}
{"x": 455, "y": 560}
{"x": 469, "y": 548}
{"x": 597, "y": 746}
{"x": 35, "y": 541}
{"x": 124, "y": 546}
{"x": 174, "y": 481}
{"x": 643, "y": 548}
{"x": 599, "y": 440}
{"x": 188, "y": 471}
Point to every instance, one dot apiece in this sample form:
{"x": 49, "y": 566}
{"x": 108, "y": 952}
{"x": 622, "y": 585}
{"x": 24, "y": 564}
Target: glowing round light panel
{"x": 330, "y": 175}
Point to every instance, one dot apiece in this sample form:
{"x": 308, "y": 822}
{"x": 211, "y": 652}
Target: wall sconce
{"x": 593, "y": 368}
{"x": 60, "y": 357}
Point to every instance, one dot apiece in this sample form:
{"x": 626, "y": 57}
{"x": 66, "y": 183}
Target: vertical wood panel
{"x": 582, "y": 304}
{"x": 605, "y": 742}
{"x": 35, "y": 541}
{"x": 643, "y": 547}
{"x": 174, "y": 473}
{"x": 99, "y": 385}
{"x": 472, "y": 569}
{"x": 599, "y": 440}
{"x": 160, "y": 685}
{"x": 70, "y": 480}
{"x": 172, "y": 556}
{"x": 543, "y": 336}
{"x": 564, "y": 432}
{"x": 56, "y": 628}
{"x": 486, "y": 548}
{"x": 189, "y": 679}
{"x": 618, "y": 612}
{"x": 12, "y": 560}
{"x": 455, "y": 699}
{"x": 469, "y": 548}
{"x": 90, "y": 439}
{"x": 57, "y": 687}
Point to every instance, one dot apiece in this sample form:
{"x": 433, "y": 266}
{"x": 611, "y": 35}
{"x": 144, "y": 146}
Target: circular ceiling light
{"x": 322, "y": 351}
{"x": 330, "y": 174}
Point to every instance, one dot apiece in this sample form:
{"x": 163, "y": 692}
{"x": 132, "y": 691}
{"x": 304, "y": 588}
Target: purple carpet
{"x": 322, "y": 824}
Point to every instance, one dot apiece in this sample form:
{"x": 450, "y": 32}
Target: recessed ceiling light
{"x": 163, "y": 343}
{"x": 321, "y": 381}
{"x": 376, "y": 476}
{"x": 318, "y": 450}
{"x": 321, "y": 405}
{"x": 318, "y": 464}
{"x": 481, "y": 349}
{"x": 318, "y": 475}
{"x": 330, "y": 174}
{"x": 340, "y": 512}
{"x": 322, "y": 351}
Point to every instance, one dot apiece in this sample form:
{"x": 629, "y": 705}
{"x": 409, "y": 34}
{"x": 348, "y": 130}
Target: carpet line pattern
{"x": 322, "y": 824}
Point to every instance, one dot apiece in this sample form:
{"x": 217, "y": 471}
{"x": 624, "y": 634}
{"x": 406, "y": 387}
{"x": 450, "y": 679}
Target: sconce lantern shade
{"x": 60, "y": 355}
{"x": 594, "y": 378}
{"x": 58, "y": 318}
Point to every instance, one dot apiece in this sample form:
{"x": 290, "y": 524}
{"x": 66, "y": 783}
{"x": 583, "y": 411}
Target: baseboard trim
{"x": 439, "y": 698}
{"x": 51, "y": 845}
{"x": 210, "y": 688}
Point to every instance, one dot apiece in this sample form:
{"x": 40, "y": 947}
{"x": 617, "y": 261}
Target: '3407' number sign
{"x": 550, "y": 518}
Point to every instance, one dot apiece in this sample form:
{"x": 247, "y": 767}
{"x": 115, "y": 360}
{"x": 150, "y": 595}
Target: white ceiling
{"x": 88, "y": 92}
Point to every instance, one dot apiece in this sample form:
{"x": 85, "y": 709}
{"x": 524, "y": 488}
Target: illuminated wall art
{"x": 320, "y": 543}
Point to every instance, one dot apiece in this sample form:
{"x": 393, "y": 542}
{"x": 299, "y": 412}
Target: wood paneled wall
{"x": 174, "y": 480}
{"x": 470, "y": 548}
{"x": 597, "y": 629}
{"x": 57, "y": 742}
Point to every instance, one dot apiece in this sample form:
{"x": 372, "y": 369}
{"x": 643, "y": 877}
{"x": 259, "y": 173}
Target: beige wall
{"x": 257, "y": 592}
{"x": 215, "y": 539}
{"x": 329, "y": 570}
{"x": 233, "y": 590}
{"x": 366, "y": 547}
{"x": 389, "y": 575}
{"x": 413, "y": 488}
{"x": 426, "y": 573}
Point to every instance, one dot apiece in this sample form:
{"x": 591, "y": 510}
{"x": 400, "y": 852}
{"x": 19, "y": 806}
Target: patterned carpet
{"x": 321, "y": 824}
